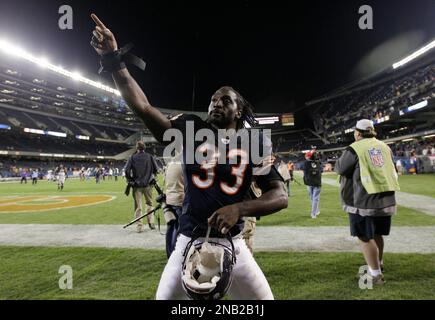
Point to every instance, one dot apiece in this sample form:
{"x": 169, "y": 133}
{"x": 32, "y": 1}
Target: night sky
{"x": 278, "y": 55}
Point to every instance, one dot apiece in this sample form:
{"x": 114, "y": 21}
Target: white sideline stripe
{"x": 418, "y": 202}
{"x": 319, "y": 239}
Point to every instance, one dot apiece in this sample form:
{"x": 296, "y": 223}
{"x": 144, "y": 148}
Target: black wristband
{"x": 112, "y": 62}
{"x": 115, "y": 61}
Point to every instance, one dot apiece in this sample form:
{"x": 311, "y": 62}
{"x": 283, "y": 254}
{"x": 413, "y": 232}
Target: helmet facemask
{"x": 207, "y": 270}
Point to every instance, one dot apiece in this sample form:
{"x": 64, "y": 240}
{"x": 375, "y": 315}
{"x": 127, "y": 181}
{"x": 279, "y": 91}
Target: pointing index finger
{"x": 98, "y": 21}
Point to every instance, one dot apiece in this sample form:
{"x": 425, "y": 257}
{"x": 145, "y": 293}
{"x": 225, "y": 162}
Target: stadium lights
{"x": 414, "y": 55}
{"x": 76, "y": 76}
{"x": 267, "y": 120}
{"x": 406, "y": 140}
{"x": 5, "y": 126}
{"x": 429, "y": 136}
{"x": 42, "y": 62}
{"x": 10, "y": 49}
{"x": 417, "y": 106}
{"x": 49, "y": 133}
{"x": 380, "y": 120}
{"x": 37, "y": 131}
{"x": 80, "y": 137}
{"x": 56, "y": 134}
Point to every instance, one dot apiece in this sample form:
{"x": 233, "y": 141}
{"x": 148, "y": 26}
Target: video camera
{"x": 161, "y": 200}
{"x": 161, "y": 195}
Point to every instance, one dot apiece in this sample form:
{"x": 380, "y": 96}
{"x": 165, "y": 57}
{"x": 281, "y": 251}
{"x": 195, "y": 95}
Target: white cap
{"x": 364, "y": 124}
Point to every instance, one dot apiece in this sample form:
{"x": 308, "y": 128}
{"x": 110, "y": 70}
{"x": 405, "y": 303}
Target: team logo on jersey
{"x": 376, "y": 157}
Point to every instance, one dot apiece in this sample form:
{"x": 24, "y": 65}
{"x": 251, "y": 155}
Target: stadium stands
{"x": 379, "y": 103}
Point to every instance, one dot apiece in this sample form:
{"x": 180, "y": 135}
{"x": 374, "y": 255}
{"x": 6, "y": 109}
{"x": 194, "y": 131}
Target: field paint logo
{"x": 66, "y": 20}
{"x": 365, "y": 282}
{"x": 366, "y": 20}
{"x": 34, "y": 203}
{"x": 66, "y": 280}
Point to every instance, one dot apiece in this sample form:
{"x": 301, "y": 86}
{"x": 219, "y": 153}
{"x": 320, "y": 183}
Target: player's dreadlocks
{"x": 247, "y": 109}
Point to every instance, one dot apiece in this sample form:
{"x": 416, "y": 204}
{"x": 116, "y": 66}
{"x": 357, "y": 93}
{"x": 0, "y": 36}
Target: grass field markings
{"x": 66, "y": 193}
{"x": 10, "y": 201}
{"x": 42, "y": 201}
{"x": 108, "y": 198}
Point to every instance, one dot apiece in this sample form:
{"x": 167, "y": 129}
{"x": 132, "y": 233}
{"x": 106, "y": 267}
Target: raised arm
{"x": 104, "y": 43}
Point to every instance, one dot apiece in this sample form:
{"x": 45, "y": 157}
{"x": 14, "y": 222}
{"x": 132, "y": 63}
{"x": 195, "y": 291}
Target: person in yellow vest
{"x": 368, "y": 181}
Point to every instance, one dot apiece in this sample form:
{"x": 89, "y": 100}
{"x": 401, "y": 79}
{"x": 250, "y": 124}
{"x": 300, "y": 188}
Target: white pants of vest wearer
{"x": 249, "y": 282}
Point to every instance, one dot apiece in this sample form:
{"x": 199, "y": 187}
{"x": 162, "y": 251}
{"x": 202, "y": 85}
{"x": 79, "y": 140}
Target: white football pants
{"x": 249, "y": 282}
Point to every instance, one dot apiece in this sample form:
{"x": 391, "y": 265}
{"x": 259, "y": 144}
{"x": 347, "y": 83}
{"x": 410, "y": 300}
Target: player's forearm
{"x": 136, "y": 99}
{"x": 270, "y": 202}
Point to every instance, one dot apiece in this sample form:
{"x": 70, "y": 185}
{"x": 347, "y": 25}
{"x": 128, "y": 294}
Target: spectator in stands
{"x": 139, "y": 171}
{"x": 368, "y": 184}
{"x": 313, "y": 180}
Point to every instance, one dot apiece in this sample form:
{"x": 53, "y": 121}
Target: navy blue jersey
{"x": 211, "y": 185}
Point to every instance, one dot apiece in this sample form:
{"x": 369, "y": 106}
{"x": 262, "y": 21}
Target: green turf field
{"x": 423, "y": 184}
{"x": 120, "y": 210}
{"x": 32, "y": 272}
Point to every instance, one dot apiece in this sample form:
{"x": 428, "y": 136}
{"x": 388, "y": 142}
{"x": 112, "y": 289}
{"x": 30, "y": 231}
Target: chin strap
{"x": 117, "y": 60}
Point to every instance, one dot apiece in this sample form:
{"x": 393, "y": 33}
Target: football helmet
{"x": 207, "y": 268}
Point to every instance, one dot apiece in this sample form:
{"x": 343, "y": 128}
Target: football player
{"x": 213, "y": 191}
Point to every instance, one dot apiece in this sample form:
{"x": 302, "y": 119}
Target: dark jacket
{"x": 140, "y": 168}
{"x": 354, "y": 195}
{"x": 313, "y": 173}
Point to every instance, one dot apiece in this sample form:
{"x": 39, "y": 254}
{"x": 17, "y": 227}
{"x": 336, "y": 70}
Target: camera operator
{"x": 139, "y": 171}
